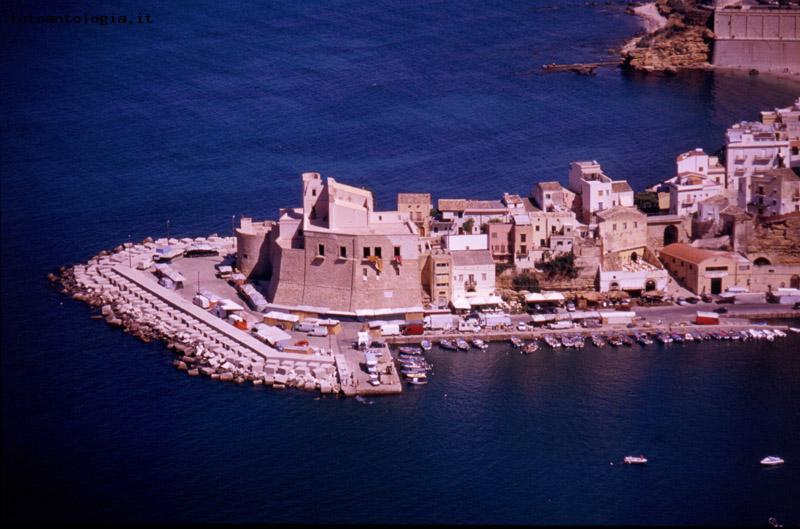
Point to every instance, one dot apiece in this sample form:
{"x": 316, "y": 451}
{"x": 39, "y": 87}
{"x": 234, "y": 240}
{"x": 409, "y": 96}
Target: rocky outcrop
{"x": 684, "y": 43}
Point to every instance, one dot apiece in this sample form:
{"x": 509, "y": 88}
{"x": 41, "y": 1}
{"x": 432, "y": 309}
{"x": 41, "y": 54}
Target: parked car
{"x": 796, "y": 306}
{"x": 721, "y": 310}
{"x": 693, "y": 300}
{"x": 522, "y": 326}
{"x": 570, "y": 306}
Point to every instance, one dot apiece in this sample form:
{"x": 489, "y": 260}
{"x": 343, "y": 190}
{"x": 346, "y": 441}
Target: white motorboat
{"x": 772, "y": 461}
{"x": 635, "y": 460}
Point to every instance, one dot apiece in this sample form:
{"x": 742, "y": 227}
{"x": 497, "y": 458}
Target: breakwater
{"x": 203, "y": 344}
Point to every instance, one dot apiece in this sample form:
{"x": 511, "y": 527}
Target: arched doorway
{"x": 614, "y": 285}
{"x": 762, "y": 261}
{"x": 634, "y": 257}
{"x": 794, "y": 282}
{"x": 650, "y": 285}
{"x": 670, "y": 235}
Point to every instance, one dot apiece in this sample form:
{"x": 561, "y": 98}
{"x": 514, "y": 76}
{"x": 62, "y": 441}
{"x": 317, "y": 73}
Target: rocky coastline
{"x": 678, "y": 37}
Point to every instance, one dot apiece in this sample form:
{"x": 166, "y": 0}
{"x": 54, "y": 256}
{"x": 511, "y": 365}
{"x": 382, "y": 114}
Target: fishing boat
{"x": 794, "y": 329}
{"x": 688, "y": 337}
{"x": 480, "y": 344}
{"x": 716, "y": 335}
{"x": 578, "y": 343}
{"x": 426, "y": 345}
{"x": 664, "y": 338}
{"x": 417, "y": 379}
{"x": 462, "y": 345}
{"x": 530, "y": 347}
{"x": 635, "y": 460}
{"x": 772, "y": 461}
{"x": 410, "y": 350}
{"x": 515, "y": 341}
{"x": 626, "y": 340}
{"x": 447, "y": 344}
{"x": 552, "y": 341}
{"x": 598, "y": 340}
{"x": 676, "y": 337}
{"x": 614, "y": 340}
{"x": 779, "y": 332}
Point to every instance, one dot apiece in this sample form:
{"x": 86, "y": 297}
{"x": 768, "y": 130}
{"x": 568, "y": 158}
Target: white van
{"x": 468, "y": 326}
{"x": 319, "y": 330}
{"x": 304, "y": 326}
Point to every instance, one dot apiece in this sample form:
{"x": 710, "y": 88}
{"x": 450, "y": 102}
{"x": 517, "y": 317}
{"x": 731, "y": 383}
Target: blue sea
{"x": 211, "y": 112}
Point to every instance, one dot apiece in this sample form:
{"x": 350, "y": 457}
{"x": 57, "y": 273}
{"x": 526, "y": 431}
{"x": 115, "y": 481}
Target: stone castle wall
{"x": 766, "y": 40}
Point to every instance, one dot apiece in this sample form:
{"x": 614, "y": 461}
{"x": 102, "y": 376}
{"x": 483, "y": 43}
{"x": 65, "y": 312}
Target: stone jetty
{"x": 203, "y": 344}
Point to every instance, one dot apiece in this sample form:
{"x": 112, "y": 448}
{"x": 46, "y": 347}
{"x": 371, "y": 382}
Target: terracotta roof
{"x": 696, "y": 152}
{"x": 715, "y": 200}
{"x": 782, "y": 172}
{"x": 620, "y": 186}
{"x": 549, "y": 186}
{"x": 735, "y": 211}
{"x": 689, "y": 253}
{"x": 618, "y": 211}
{"x": 413, "y": 198}
{"x": 462, "y": 204}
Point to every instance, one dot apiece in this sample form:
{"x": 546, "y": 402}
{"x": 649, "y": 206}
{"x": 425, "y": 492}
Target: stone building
{"x": 687, "y": 190}
{"x": 705, "y": 271}
{"x": 622, "y": 229}
{"x": 336, "y": 253}
{"x": 418, "y": 206}
{"x": 775, "y": 192}
{"x": 500, "y": 241}
{"x": 479, "y": 212}
{"x": 551, "y": 196}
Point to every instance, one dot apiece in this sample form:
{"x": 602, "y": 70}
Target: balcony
{"x": 470, "y": 285}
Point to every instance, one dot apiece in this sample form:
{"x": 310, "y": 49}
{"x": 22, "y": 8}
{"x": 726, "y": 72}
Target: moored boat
{"x": 447, "y": 344}
{"x": 426, "y": 345}
{"x": 462, "y": 345}
{"x": 772, "y": 461}
{"x": 515, "y": 341}
{"x": 480, "y": 344}
{"x": 598, "y": 340}
{"x": 530, "y": 347}
{"x": 410, "y": 350}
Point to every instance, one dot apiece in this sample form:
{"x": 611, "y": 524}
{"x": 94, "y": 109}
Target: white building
{"x": 472, "y": 274}
{"x": 479, "y": 212}
{"x": 698, "y": 162}
{"x": 687, "y": 190}
{"x": 597, "y": 191}
{"x": 456, "y": 243}
{"x": 775, "y": 192}
{"x": 753, "y": 148}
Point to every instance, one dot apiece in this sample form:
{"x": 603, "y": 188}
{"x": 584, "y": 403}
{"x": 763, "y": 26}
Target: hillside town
{"x": 724, "y": 226}
{"x": 314, "y": 299}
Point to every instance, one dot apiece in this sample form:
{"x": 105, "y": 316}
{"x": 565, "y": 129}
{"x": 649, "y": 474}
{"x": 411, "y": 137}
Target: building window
{"x": 614, "y": 227}
{"x": 624, "y": 225}
{"x": 483, "y": 277}
{"x": 494, "y": 235}
{"x": 320, "y": 250}
{"x": 537, "y": 227}
{"x": 365, "y": 274}
{"x": 523, "y": 249}
{"x": 397, "y": 251}
{"x": 522, "y": 238}
{"x": 366, "y": 252}
{"x": 343, "y": 252}
{"x": 378, "y": 252}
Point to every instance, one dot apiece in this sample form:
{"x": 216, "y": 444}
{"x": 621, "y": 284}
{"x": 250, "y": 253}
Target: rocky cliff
{"x": 683, "y": 43}
{"x": 777, "y": 238}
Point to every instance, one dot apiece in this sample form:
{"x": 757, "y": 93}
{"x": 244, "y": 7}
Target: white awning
{"x": 460, "y": 304}
{"x": 270, "y": 334}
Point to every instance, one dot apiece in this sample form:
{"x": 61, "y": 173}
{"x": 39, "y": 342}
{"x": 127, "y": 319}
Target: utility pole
{"x": 233, "y": 230}
{"x": 167, "y": 231}
{"x": 130, "y": 259}
{"x": 198, "y": 281}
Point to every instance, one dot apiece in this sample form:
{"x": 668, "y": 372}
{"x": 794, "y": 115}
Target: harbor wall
{"x": 767, "y": 40}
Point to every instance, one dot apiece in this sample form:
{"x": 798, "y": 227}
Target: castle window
{"x": 343, "y": 252}
{"x": 313, "y": 192}
{"x": 378, "y": 251}
{"x": 320, "y": 250}
{"x": 366, "y": 252}
{"x": 397, "y": 251}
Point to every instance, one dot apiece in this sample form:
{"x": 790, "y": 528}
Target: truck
{"x": 468, "y": 326}
{"x": 438, "y": 321}
{"x": 413, "y": 329}
{"x": 495, "y": 319}
{"x": 563, "y": 324}
{"x": 390, "y": 329}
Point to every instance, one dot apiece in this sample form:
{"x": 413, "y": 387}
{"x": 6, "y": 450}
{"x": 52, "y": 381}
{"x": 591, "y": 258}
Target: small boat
{"x": 480, "y": 344}
{"x": 716, "y": 335}
{"x": 626, "y": 340}
{"x": 615, "y": 340}
{"x": 635, "y": 460}
{"x": 774, "y": 522}
{"x": 426, "y": 345}
{"x": 779, "y": 332}
{"x": 515, "y": 341}
{"x": 664, "y": 338}
{"x": 417, "y": 379}
{"x": 724, "y": 335}
{"x": 794, "y": 329}
{"x": 410, "y": 350}
{"x": 676, "y": 337}
{"x": 530, "y": 347}
{"x": 598, "y": 341}
{"x": 447, "y": 344}
{"x": 552, "y": 341}
{"x": 462, "y": 345}
{"x": 772, "y": 461}
{"x": 688, "y": 337}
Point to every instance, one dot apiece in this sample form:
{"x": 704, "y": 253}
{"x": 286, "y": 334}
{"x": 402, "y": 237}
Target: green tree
{"x": 468, "y": 225}
{"x": 526, "y": 280}
{"x": 647, "y": 201}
